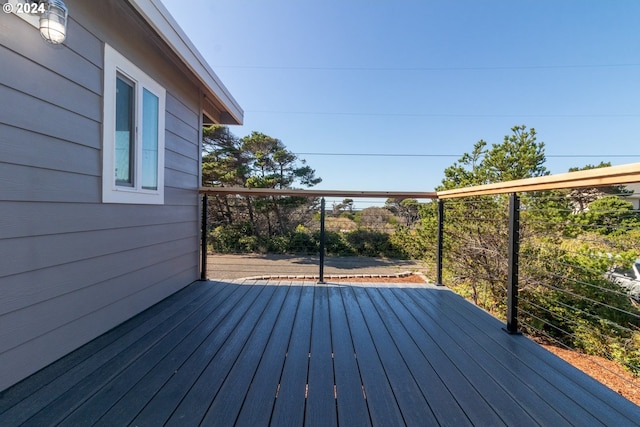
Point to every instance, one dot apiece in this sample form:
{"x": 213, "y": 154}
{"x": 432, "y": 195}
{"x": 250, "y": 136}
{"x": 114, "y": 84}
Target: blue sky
{"x": 425, "y": 79}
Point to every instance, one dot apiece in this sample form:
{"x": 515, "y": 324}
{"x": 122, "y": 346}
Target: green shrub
{"x": 335, "y": 244}
{"x": 373, "y": 244}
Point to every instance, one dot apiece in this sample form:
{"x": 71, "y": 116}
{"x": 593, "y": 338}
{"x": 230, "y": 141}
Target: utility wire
{"x": 452, "y": 68}
{"x": 440, "y": 115}
{"x": 456, "y": 155}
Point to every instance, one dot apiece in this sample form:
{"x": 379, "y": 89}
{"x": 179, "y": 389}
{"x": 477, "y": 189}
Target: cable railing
{"x": 553, "y": 257}
{"x": 559, "y": 267}
{"x": 295, "y": 234}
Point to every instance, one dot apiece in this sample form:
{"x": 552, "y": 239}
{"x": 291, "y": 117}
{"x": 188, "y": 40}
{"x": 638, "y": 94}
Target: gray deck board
{"x": 350, "y": 398}
{"x": 321, "y": 401}
{"x": 179, "y": 340}
{"x": 411, "y": 402}
{"x": 161, "y": 406}
{"x": 227, "y": 404}
{"x": 441, "y": 401}
{"x": 131, "y": 402}
{"x": 249, "y": 353}
{"x": 75, "y": 400}
{"x": 289, "y": 406}
{"x": 578, "y": 395}
{"x": 191, "y": 409}
{"x": 529, "y": 387}
{"x": 383, "y": 406}
{"x": 503, "y": 403}
{"x": 261, "y": 395}
{"x": 77, "y": 372}
{"x": 469, "y": 398}
{"x": 19, "y": 398}
{"x": 535, "y": 410}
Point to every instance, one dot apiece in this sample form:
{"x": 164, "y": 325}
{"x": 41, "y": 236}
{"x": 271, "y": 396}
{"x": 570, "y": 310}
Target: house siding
{"x": 72, "y": 267}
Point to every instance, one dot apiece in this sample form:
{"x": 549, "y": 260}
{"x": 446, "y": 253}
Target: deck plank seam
{"x": 355, "y": 356}
{"x": 320, "y": 352}
{"x": 368, "y": 293}
{"x": 154, "y": 335}
{"x": 404, "y": 296}
{"x": 273, "y": 307}
{"x": 233, "y": 292}
{"x": 377, "y": 355}
{"x": 392, "y": 310}
{"x": 278, "y": 324}
{"x": 63, "y": 365}
{"x": 174, "y": 419}
{"x": 285, "y": 357}
{"x": 383, "y": 341}
{"x": 301, "y": 330}
{"x": 497, "y": 379}
{"x": 333, "y": 362}
{"x": 199, "y": 316}
{"x": 597, "y": 402}
{"x": 306, "y": 391}
{"x": 244, "y": 301}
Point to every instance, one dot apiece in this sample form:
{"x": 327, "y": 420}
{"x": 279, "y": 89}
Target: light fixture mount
{"x": 53, "y": 21}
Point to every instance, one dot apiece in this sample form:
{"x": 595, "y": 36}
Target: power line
{"x": 440, "y": 115}
{"x": 451, "y": 68}
{"x": 458, "y": 155}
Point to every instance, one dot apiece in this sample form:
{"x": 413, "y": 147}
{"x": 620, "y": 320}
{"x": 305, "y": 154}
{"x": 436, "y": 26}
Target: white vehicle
{"x": 629, "y": 279}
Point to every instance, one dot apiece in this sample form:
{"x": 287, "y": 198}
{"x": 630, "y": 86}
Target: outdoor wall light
{"x": 53, "y": 21}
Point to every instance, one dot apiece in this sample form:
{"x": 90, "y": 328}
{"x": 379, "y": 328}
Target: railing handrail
{"x": 600, "y": 177}
{"x": 613, "y": 175}
{"x": 318, "y": 193}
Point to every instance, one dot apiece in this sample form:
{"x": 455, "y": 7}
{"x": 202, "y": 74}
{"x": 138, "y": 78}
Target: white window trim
{"x": 115, "y": 63}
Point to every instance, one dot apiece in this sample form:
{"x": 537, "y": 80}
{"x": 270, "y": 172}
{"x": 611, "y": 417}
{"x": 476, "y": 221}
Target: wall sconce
{"x": 53, "y": 21}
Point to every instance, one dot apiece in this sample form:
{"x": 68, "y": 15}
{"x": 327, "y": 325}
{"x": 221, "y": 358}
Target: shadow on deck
{"x": 287, "y": 353}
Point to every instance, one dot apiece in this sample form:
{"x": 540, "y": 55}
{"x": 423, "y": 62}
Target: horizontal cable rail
{"x": 539, "y": 253}
{"x": 581, "y": 282}
{"x": 283, "y": 235}
{"x": 582, "y": 312}
{"x": 318, "y": 193}
{"x": 578, "y": 235}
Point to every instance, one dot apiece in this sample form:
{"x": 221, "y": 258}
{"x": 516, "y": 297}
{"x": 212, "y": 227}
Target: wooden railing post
{"x": 514, "y": 252}
{"x": 203, "y": 238}
{"x": 322, "y": 236}
{"x": 440, "y": 242}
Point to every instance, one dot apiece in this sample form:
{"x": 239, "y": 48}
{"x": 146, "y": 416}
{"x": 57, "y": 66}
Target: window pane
{"x": 149, "y": 141}
{"x": 124, "y": 161}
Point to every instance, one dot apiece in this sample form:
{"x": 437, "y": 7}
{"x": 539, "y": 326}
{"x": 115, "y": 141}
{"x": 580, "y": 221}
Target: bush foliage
{"x": 569, "y": 240}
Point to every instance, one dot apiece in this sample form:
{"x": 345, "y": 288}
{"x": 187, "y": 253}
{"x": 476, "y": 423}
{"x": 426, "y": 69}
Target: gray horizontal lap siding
{"x": 72, "y": 267}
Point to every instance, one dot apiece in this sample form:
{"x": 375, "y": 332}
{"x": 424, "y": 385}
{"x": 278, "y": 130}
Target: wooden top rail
{"x": 614, "y": 175}
{"x": 318, "y": 193}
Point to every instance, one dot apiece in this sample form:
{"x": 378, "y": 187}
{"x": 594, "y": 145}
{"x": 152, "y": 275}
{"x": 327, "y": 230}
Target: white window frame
{"x": 114, "y": 64}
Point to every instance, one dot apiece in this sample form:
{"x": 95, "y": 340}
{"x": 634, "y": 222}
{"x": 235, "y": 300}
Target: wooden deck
{"x": 294, "y": 354}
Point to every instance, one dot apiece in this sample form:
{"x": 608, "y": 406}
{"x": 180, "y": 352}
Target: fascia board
{"x": 159, "y": 18}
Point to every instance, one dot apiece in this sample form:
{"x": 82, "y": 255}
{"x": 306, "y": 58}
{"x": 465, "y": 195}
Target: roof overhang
{"x": 219, "y": 105}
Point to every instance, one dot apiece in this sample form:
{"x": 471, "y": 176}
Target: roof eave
{"x": 159, "y": 18}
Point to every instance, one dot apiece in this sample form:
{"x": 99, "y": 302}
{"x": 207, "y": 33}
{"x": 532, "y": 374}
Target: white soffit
{"x": 154, "y": 12}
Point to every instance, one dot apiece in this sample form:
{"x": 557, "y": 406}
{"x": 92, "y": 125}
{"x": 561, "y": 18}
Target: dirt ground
{"x": 607, "y": 372}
